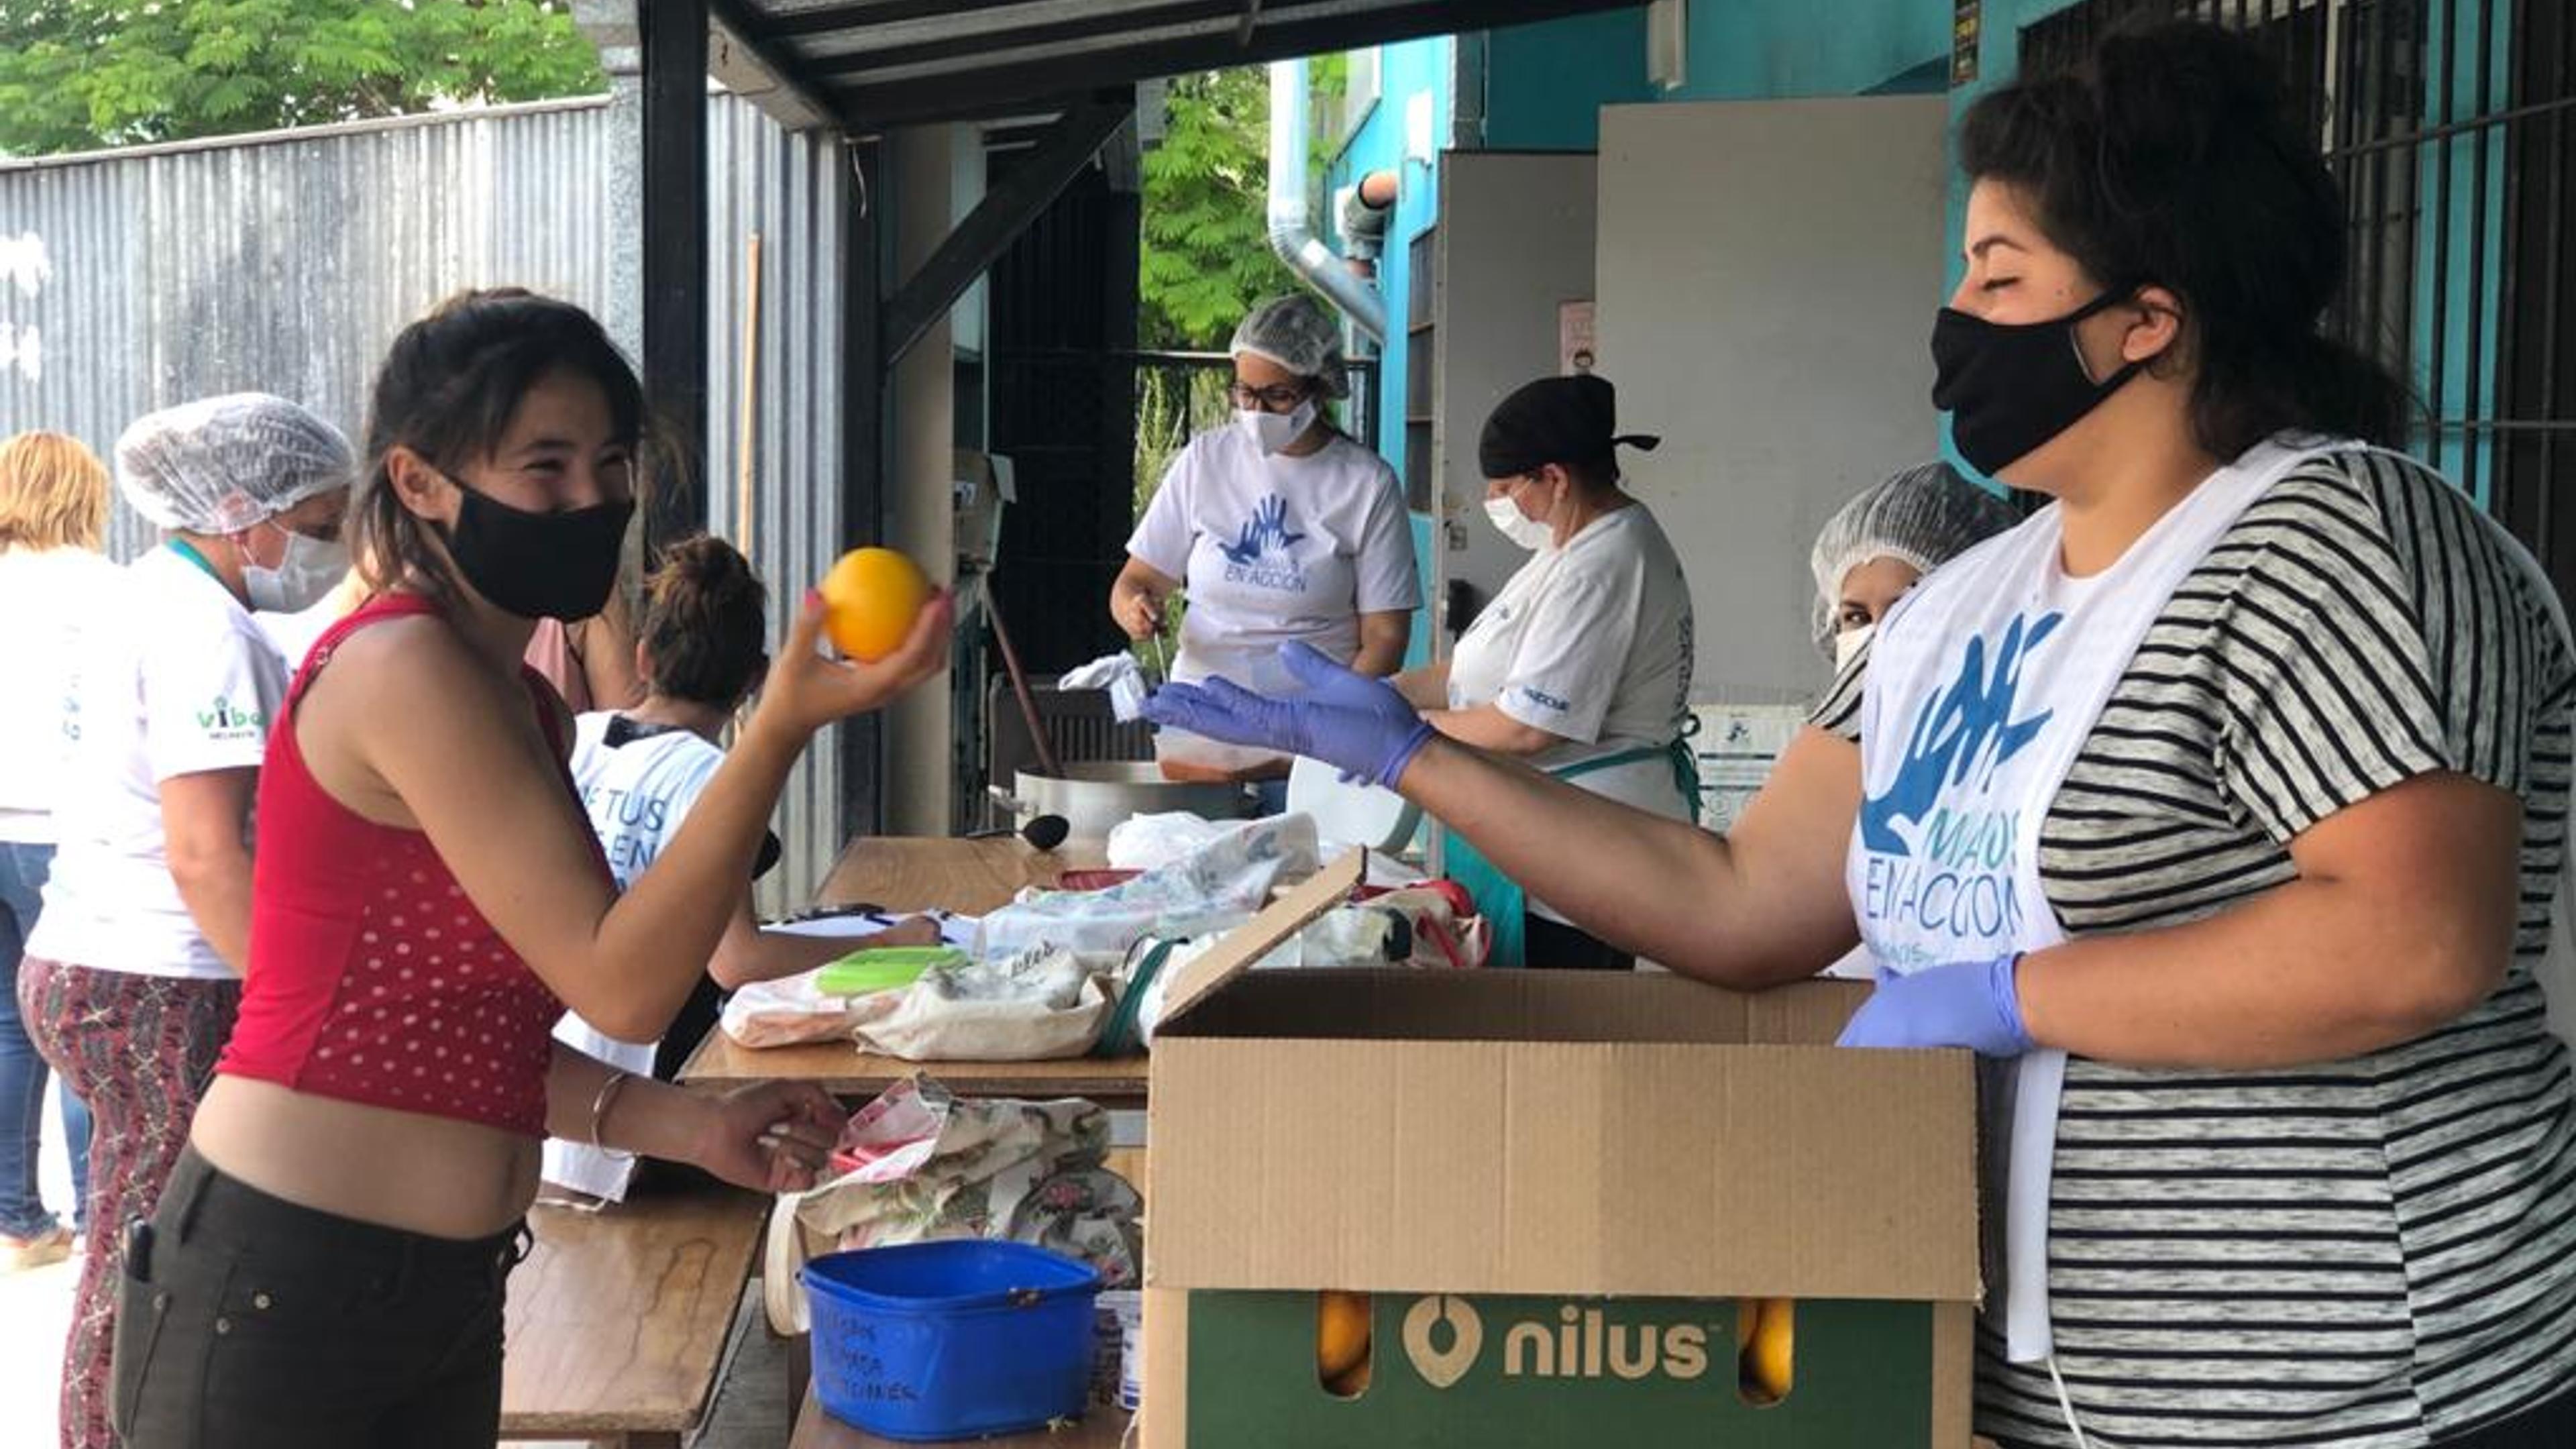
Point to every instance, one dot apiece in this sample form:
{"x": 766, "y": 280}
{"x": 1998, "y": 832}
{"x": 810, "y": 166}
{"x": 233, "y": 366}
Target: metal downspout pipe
{"x": 1292, "y": 235}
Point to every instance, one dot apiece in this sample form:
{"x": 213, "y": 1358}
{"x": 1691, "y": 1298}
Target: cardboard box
{"x": 1556, "y": 1187}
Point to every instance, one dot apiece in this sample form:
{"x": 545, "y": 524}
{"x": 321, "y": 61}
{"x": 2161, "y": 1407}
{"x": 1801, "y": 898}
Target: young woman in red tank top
{"x": 327, "y": 1265}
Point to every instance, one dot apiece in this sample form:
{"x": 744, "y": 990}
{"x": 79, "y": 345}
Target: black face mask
{"x": 539, "y": 565}
{"x": 2009, "y": 389}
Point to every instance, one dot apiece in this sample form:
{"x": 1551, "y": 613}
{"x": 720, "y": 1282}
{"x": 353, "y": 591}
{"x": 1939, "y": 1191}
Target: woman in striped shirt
{"x": 2220, "y": 805}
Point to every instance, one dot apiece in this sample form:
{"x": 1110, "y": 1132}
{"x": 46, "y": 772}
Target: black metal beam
{"x": 1002, "y": 215}
{"x": 864, "y": 453}
{"x": 832, "y": 19}
{"x": 783, "y": 65}
{"x": 1076, "y": 24}
{"x": 674, "y": 34}
{"x": 973, "y": 87}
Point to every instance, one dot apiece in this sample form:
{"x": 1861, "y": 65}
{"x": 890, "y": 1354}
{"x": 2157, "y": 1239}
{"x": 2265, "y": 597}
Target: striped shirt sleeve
{"x": 2367, "y": 641}
{"x": 1838, "y": 712}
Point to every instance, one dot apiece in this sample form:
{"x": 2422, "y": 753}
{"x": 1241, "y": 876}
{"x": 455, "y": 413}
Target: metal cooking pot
{"x": 1095, "y": 795}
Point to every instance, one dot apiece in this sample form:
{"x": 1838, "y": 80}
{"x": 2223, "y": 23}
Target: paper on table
{"x": 954, "y": 930}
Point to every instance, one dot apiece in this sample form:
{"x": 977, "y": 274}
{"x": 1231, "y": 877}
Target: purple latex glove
{"x": 1971, "y": 1004}
{"x": 1358, "y": 725}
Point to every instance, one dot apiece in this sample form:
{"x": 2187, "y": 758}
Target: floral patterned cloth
{"x": 919, "y": 1164}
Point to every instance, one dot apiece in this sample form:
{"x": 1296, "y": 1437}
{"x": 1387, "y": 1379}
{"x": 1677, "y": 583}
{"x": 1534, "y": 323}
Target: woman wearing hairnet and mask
{"x": 134, "y": 969}
{"x": 1879, "y": 544}
{"x": 1581, "y": 666}
{"x": 1871, "y": 551}
{"x": 1282, "y": 529}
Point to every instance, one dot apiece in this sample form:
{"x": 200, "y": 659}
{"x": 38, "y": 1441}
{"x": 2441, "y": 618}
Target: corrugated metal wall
{"x": 285, "y": 263}
{"x": 792, "y": 190}
{"x": 131, "y": 280}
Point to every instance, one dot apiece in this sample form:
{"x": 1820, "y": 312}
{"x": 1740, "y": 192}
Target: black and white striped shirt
{"x": 2376, "y": 1253}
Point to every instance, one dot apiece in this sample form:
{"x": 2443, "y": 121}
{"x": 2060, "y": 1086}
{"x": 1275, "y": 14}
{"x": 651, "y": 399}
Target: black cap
{"x": 1554, "y": 420}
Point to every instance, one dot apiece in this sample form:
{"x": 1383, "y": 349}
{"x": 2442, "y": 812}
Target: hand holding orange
{"x": 893, "y": 630}
{"x": 870, "y": 599}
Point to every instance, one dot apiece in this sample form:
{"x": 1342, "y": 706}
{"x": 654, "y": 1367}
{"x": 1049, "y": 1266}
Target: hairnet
{"x": 1296, "y": 332}
{"x": 220, "y": 464}
{"x": 1924, "y": 516}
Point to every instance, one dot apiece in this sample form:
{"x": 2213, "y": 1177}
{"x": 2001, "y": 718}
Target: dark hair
{"x": 1596, "y": 476}
{"x": 448, "y": 389}
{"x": 705, "y": 623}
{"x": 2171, "y": 158}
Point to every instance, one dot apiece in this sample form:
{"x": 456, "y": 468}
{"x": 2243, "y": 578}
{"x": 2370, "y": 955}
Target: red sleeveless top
{"x": 372, "y": 978}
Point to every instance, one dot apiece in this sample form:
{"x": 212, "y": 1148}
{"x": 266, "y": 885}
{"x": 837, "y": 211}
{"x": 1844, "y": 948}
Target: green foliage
{"x": 1206, "y": 254}
{"x": 77, "y": 74}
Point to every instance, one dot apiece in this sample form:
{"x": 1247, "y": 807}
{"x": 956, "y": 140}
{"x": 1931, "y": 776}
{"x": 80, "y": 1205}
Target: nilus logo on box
{"x": 1581, "y": 1343}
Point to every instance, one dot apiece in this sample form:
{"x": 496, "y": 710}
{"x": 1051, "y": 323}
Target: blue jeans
{"x": 23, "y": 869}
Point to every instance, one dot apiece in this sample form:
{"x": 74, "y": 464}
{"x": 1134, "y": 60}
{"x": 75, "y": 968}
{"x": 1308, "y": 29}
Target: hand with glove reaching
{"x": 1358, "y": 725}
{"x": 1972, "y": 1004}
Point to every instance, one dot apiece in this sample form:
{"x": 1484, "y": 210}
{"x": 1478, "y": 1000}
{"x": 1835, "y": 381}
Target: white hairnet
{"x": 220, "y": 464}
{"x": 1924, "y": 516}
{"x": 1299, "y": 334}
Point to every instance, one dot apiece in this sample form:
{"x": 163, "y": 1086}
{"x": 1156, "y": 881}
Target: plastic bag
{"x": 1121, "y": 676}
{"x": 791, "y": 1010}
{"x": 1150, "y": 842}
{"x": 1038, "y": 1005}
{"x": 925, "y": 1165}
{"x": 1218, "y": 885}
{"x": 1344, "y": 936}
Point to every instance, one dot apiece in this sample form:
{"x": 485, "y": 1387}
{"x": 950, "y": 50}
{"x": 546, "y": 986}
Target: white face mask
{"x": 1272, "y": 433}
{"x": 1528, "y": 532}
{"x": 1848, "y": 642}
{"x": 310, "y": 569}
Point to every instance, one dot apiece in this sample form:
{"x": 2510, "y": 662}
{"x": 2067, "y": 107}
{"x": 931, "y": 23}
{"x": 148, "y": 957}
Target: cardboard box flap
{"x": 1563, "y": 1168}
{"x": 1236, "y": 951}
{"x": 1397, "y": 1004}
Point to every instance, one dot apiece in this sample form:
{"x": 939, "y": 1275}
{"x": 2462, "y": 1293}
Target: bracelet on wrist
{"x": 599, "y": 1107}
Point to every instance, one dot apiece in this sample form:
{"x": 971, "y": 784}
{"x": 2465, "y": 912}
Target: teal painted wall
{"x": 1414, "y": 68}
{"x": 1545, "y": 84}
{"x": 2468, "y": 291}
{"x": 2459, "y": 296}
{"x": 1792, "y": 49}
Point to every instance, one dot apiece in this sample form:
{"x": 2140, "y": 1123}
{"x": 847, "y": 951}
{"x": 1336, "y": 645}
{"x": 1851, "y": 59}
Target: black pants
{"x": 248, "y": 1322}
{"x": 1558, "y": 946}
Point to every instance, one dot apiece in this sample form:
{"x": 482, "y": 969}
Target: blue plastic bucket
{"x": 951, "y": 1340}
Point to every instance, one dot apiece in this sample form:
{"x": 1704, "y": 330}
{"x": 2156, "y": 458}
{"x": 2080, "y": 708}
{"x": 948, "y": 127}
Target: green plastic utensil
{"x": 883, "y": 968}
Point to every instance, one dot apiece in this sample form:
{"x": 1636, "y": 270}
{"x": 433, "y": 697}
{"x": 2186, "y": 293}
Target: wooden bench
{"x": 619, "y": 1320}
{"x": 1099, "y": 1429}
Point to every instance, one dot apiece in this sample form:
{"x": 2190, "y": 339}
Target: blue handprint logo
{"x": 1967, "y": 729}
{"x": 1263, "y": 534}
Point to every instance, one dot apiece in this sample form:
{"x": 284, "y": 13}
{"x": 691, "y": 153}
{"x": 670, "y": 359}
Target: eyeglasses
{"x": 1277, "y": 398}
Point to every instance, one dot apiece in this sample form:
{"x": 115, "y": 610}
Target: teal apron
{"x": 1500, "y": 899}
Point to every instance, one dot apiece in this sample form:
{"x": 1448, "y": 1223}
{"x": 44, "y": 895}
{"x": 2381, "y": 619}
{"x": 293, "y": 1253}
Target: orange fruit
{"x": 1768, "y": 1358}
{"x": 870, "y": 599}
{"x": 1341, "y": 1334}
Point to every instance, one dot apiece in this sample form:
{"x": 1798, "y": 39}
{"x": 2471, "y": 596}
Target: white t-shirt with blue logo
{"x": 1592, "y": 643}
{"x": 636, "y": 793}
{"x": 177, "y": 680}
{"x": 1274, "y": 549}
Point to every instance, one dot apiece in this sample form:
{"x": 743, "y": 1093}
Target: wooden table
{"x": 845, "y": 1071}
{"x": 618, "y": 1320}
{"x": 972, "y": 877}
{"x": 1099, "y": 1429}
{"x": 914, "y": 874}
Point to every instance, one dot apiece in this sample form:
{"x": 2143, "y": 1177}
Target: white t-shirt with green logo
{"x": 178, "y": 680}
